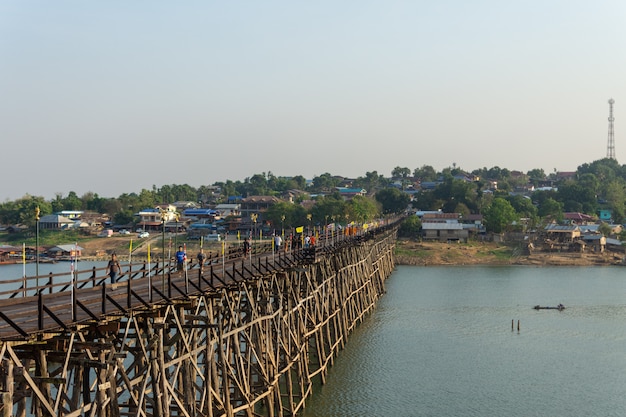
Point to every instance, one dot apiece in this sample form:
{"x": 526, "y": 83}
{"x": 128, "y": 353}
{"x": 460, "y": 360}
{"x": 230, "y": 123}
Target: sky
{"x": 113, "y": 97}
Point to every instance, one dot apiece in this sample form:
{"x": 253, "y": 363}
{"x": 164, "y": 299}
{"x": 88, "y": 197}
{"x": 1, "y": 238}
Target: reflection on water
{"x": 441, "y": 344}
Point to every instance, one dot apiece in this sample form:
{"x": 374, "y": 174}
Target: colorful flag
{"x": 300, "y": 229}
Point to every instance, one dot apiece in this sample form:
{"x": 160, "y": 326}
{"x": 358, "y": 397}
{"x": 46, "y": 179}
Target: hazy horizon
{"x": 114, "y": 97}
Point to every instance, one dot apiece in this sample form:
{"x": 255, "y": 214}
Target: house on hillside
{"x": 444, "y": 227}
{"x": 65, "y": 252}
{"x": 349, "y": 193}
{"x": 55, "y": 222}
{"x": 578, "y": 218}
{"x": 152, "y": 219}
{"x": 562, "y": 233}
{"x": 200, "y": 214}
{"x": 258, "y": 203}
{"x": 444, "y": 232}
{"x": 226, "y": 210}
{"x": 605, "y": 215}
{"x": 71, "y": 214}
{"x": 595, "y": 243}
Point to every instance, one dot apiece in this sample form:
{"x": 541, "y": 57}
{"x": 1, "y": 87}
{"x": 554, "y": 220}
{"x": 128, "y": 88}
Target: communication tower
{"x": 610, "y": 148}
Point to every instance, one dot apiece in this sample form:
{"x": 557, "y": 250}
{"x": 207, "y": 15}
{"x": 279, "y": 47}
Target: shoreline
{"x": 488, "y": 253}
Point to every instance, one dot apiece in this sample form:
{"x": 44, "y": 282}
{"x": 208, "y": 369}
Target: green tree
{"x": 22, "y": 211}
{"x": 294, "y": 215}
{"x": 605, "y": 229}
{"x": 72, "y": 202}
{"x": 328, "y": 209}
{"x": 410, "y": 227}
{"x": 425, "y": 173}
{"x": 551, "y": 208}
{"x": 324, "y": 182}
{"x": 536, "y": 176}
{"x": 392, "y": 200}
{"x": 400, "y": 172}
{"x": 454, "y": 191}
{"x": 615, "y": 198}
{"x": 371, "y": 182}
{"x": 362, "y": 209}
{"x": 499, "y": 216}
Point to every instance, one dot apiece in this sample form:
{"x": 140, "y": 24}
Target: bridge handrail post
{"x": 93, "y": 277}
{"x": 74, "y": 304}
{"x": 104, "y": 298}
{"x": 128, "y": 299}
{"x": 169, "y": 284}
{"x": 40, "y": 311}
{"x": 50, "y": 284}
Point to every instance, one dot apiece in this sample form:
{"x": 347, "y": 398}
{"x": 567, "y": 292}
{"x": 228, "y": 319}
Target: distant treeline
{"x": 533, "y": 196}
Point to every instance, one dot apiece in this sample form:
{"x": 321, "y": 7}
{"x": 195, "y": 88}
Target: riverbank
{"x": 410, "y": 252}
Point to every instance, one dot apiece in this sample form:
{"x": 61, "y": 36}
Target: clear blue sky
{"x": 116, "y": 96}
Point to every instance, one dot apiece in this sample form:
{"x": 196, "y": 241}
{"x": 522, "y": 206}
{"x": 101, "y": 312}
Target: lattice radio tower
{"x": 610, "y": 148}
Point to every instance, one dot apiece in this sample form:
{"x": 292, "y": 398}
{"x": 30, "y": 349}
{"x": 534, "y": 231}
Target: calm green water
{"x": 440, "y": 344}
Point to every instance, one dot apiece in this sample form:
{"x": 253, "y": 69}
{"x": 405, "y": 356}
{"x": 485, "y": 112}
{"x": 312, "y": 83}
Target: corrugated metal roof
{"x": 442, "y": 226}
{"x": 561, "y": 228}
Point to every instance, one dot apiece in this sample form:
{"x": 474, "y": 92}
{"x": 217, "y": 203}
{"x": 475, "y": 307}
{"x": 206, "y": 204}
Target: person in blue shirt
{"x": 181, "y": 257}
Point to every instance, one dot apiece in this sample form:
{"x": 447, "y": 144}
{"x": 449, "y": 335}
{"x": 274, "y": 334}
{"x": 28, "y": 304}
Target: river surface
{"x": 441, "y": 343}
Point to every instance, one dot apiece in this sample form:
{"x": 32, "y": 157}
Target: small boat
{"x": 559, "y": 307}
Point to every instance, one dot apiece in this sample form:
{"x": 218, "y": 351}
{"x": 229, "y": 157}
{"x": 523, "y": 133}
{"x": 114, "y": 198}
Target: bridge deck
{"x": 27, "y": 316}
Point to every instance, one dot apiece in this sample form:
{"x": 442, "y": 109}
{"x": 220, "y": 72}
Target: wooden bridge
{"x": 238, "y": 337}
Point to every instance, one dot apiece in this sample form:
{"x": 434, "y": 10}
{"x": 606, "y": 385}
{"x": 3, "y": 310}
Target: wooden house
{"x": 444, "y": 232}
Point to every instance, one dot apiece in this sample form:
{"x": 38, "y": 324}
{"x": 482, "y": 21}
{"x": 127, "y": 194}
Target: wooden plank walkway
{"x": 62, "y": 308}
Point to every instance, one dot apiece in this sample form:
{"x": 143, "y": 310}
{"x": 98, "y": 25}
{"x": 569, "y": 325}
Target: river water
{"x": 441, "y": 343}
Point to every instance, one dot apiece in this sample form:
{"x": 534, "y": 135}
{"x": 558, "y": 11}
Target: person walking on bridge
{"x": 113, "y": 268}
{"x": 201, "y": 259}
{"x": 181, "y": 257}
{"x": 246, "y": 247}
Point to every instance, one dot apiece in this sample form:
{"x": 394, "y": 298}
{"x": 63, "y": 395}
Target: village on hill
{"x": 579, "y": 212}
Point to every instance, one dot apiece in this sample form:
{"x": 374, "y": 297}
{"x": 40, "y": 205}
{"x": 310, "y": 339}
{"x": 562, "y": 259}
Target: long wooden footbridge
{"x": 239, "y": 336}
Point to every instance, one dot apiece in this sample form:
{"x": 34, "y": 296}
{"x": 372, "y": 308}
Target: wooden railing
{"x": 88, "y": 295}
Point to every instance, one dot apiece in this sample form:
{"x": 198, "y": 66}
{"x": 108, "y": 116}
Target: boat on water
{"x": 558, "y": 307}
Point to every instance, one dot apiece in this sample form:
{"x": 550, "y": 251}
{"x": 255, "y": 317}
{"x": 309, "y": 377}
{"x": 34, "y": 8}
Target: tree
{"x": 294, "y": 215}
{"x": 392, "y": 200}
{"x": 72, "y": 202}
{"x": 328, "y": 209}
{"x": 425, "y": 173}
{"x": 399, "y": 172}
{"x": 324, "y": 182}
{"x": 615, "y": 198}
{"x": 523, "y": 206}
{"x": 536, "y": 176}
{"x": 499, "y": 216}
{"x": 552, "y": 208}
{"x": 605, "y": 229}
{"x": 371, "y": 182}
{"x": 574, "y": 196}
{"x": 22, "y": 211}
{"x": 362, "y": 209}
{"x": 410, "y": 227}
{"x": 454, "y": 191}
